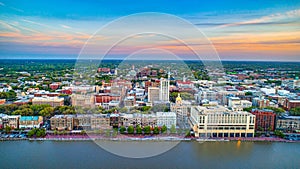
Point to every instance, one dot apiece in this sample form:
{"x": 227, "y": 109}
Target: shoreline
{"x": 155, "y": 139}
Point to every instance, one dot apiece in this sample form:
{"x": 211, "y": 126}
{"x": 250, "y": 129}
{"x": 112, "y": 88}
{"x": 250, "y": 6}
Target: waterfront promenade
{"x": 144, "y": 138}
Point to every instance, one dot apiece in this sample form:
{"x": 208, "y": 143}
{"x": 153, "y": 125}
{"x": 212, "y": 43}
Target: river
{"x": 87, "y": 154}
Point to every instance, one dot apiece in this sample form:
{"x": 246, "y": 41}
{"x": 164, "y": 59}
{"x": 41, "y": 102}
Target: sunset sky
{"x": 239, "y": 30}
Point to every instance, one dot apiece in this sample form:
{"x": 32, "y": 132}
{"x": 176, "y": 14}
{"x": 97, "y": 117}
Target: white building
{"x": 164, "y": 93}
{"x": 268, "y": 91}
{"x": 209, "y": 122}
{"x": 205, "y": 94}
{"x": 166, "y": 118}
{"x": 235, "y": 103}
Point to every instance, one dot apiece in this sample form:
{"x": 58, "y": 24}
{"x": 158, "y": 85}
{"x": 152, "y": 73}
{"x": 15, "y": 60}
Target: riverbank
{"x": 149, "y": 138}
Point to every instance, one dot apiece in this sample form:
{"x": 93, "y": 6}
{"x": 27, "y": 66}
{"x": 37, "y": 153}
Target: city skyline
{"x": 264, "y": 30}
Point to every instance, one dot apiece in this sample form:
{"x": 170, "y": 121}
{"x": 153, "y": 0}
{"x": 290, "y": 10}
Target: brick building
{"x": 265, "y": 119}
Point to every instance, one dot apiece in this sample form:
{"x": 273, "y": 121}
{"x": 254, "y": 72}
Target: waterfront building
{"x": 52, "y": 101}
{"x": 115, "y": 120}
{"x": 11, "y": 121}
{"x": 138, "y": 119}
{"x": 288, "y": 123}
{"x": 62, "y": 122}
{"x": 3, "y": 120}
{"x": 29, "y": 122}
{"x": 213, "y": 122}
{"x": 100, "y": 121}
{"x": 166, "y": 118}
{"x": 82, "y": 122}
{"x": 265, "y": 119}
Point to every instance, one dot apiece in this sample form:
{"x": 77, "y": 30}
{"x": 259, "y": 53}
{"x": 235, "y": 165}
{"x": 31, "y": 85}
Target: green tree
{"x": 23, "y": 112}
{"x": 37, "y": 132}
{"x": 145, "y": 108}
{"x": 122, "y": 129}
{"x": 130, "y": 130}
{"x": 123, "y": 110}
{"x": 156, "y": 130}
{"x": 40, "y": 132}
{"x": 249, "y": 109}
{"x": 147, "y": 130}
{"x": 47, "y": 112}
{"x": 279, "y": 133}
{"x": 7, "y": 129}
{"x": 295, "y": 111}
{"x": 115, "y": 132}
{"x": 139, "y": 129}
{"x": 164, "y": 129}
{"x": 278, "y": 111}
{"x": 173, "y": 129}
{"x": 31, "y": 133}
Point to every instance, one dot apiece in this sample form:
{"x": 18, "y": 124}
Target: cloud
{"x": 265, "y": 20}
{"x": 65, "y": 26}
{"x": 8, "y": 27}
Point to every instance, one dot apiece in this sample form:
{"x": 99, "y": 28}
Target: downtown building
{"x": 181, "y": 108}
{"x": 288, "y": 124}
{"x": 220, "y": 122}
{"x": 29, "y": 122}
{"x": 164, "y": 93}
{"x": 62, "y": 122}
{"x": 166, "y": 118}
{"x": 52, "y": 101}
{"x": 265, "y": 119}
{"x": 153, "y": 94}
{"x": 137, "y": 119}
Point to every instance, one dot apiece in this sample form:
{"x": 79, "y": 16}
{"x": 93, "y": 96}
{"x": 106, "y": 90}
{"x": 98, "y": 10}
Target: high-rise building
{"x": 164, "y": 93}
{"x": 153, "y": 94}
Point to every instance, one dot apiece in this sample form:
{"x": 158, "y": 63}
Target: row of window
{"x": 227, "y": 128}
{"x": 226, "y": 119}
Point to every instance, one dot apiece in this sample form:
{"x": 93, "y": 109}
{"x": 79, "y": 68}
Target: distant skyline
{"x": 252, "y": 30}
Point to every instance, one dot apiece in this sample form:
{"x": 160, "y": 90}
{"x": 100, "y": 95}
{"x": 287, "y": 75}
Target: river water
{"x": 87, "y": 154}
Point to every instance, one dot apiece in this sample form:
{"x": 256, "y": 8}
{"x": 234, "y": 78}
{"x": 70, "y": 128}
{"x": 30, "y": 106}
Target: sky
{"x": 238, "y": 30}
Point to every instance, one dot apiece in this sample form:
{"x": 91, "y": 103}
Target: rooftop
{"x": 29, "y": 118}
